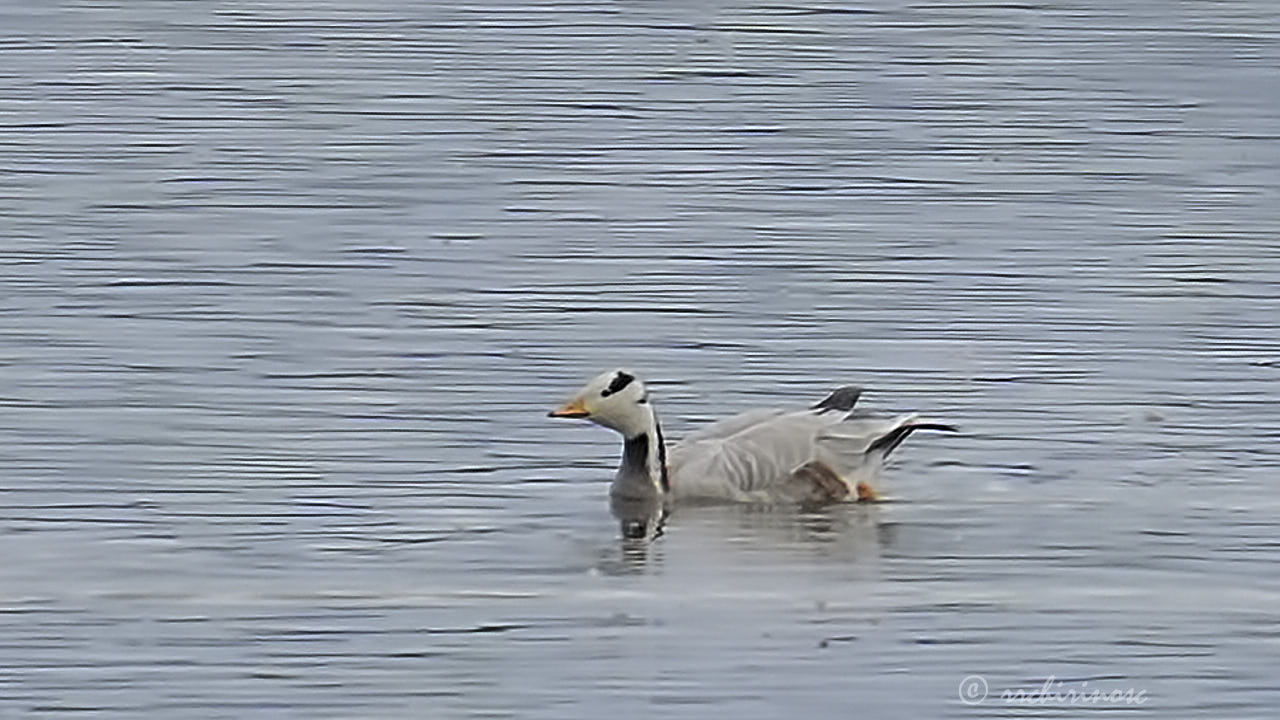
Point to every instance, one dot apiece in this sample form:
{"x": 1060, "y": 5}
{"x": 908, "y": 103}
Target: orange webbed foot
{"x": 866, "y": 493}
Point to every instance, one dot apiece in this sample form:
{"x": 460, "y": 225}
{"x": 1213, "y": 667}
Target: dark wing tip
{"x": 842, "y": 399}
{"x": 894, "y": 437}
{"x": 935, "y": 426}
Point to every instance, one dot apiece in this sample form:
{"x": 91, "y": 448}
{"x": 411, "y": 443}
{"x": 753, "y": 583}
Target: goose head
{"x": 615, "y": 399}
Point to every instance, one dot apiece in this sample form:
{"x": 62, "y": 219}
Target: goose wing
{"x": 733, "y": 425}
{"x": 748, "y": 456}
{"x": 768, "y": 453}
{"x": 858, "y": 446}
{"x": 842, "y": 399}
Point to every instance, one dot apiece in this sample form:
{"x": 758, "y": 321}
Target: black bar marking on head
{"x": 621, "y": 380}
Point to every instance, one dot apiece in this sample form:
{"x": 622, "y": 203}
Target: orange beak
{"x": 572, "y": 409}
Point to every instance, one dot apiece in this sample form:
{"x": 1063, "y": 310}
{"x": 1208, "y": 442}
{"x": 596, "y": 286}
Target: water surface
{"x": 288, "y": 288}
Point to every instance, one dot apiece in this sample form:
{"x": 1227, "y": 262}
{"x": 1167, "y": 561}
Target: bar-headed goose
{"x": 826, "y": 453}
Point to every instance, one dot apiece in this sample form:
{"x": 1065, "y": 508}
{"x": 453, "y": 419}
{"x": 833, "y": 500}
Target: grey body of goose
{"x": 829, "y": 452}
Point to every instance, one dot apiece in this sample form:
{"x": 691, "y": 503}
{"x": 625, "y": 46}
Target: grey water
{"x": 288, "y": 289}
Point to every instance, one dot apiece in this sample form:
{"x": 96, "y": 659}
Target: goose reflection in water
{"x": 640, "y": 518}
{"x": 850, "y": 536}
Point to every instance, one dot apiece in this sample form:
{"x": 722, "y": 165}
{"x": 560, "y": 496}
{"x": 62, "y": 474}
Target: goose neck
{"x": 644, "y": 462}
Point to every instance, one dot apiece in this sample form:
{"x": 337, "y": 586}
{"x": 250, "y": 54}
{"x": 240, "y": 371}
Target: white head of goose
{"x": 829, "y": 452}
{"x": 619, "y": 401}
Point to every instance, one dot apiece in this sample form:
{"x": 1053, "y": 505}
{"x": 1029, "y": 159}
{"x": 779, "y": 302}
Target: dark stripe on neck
{"x": 662, "y": 457}
{"x": 635, "y": 452}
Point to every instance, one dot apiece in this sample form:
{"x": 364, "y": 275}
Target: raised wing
{"x": 859, "y": 446}
{"x": 732, "y": 425}
{"x": 758, "y": 461}
{"x": 746, "y": 455}
{"x": 841, "y": 400}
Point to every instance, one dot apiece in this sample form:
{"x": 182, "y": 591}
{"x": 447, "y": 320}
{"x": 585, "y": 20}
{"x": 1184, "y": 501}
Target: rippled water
{"x": 288, "y": 288}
